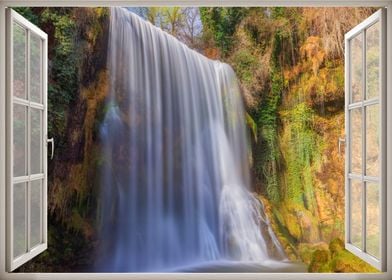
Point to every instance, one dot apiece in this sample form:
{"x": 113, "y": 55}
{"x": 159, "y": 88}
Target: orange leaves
{"x": 313, "y": 50}
{"x": 330, "y": 24}
{"x": 212, "y": 53}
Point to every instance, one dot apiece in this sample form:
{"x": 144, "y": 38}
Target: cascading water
{"x": 175, "y": 174}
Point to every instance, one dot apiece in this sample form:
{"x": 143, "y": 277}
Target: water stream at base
{"x": 174, "y": 170}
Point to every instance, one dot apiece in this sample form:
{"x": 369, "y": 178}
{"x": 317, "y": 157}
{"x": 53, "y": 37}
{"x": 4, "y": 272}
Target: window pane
{"x": 35, "y": 68}
{"x": 36, "y": 141}
{"x": 356, "y": 68}
{"x": 373, "y": 219}
{"x": 372, "y": 140}
{"x": 356, "y": 140}
{"x": 356, "y": 213}
{"x": 19, "y": 219}
{"x": 35, "y": 215}
{"x": 373, "y": 61}
{"x": 19, "y": 140}
{"x": 19, "y": 63}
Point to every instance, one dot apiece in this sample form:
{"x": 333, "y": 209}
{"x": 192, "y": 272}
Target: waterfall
{"x": 174, "y": 171}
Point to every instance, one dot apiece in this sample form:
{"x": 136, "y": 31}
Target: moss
{"x": 306, "y": 250}
{"x": 336, "y": 246}
{"x": 268, "y": 166}
{"x": 282, "y": 230}
{"x": 244, "y": 64}
{"x": 252, "y": 125}
{"x": 284, "y": 237}
{"x": 320, "y": 261}
{"x": 344, "y": 261}
{"x": 302, "y": 145}
{"x": 332, "y": 258}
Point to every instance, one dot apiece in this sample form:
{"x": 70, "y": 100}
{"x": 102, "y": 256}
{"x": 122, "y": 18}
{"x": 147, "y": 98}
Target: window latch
{"x": 51, "y": 141}
{"x": 340, "y": 141}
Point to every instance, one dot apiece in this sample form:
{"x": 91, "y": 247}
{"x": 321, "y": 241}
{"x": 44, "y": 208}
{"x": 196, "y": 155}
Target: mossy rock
{"x": 300, "y": 222}
{"x": 336, "y": 245}
{"x": 332, "y": 258}
{"x": 293, "y": 226}
{"x": 306, "y": 250}
{"x": 344, "y": 261}
{"x": 320, "y": 261}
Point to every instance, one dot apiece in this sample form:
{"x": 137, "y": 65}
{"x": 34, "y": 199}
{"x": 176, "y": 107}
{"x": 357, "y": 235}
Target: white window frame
{"x": 379, "y": 16}
{"x": 273, "y": 3}
{"x": 13, "y": 263}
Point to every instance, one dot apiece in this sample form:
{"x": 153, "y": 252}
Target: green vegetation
{"x": 77, "y": 41}
{"x": 64, "y": 56}
{"x": 291, "y": 71}
{"x": 336, "y": 259}
{"x": 221, "y": 23}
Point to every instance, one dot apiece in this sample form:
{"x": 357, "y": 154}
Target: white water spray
{"x": 175, "y": 175}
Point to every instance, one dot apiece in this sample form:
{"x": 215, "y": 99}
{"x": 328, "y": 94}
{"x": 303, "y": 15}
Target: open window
{"x": 26, "y": 134}
{"x": 365, "y": 113}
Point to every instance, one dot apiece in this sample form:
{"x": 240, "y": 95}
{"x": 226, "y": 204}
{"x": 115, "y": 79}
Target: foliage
{"x": 252, "y": 125}
{"x": 222, "y": 23}
{"x": 181, "y": 22}
{"x": 245, "y": 64}
{"x": 76, "y": 43}
{"x": 336, "y": 259}
{"x": 63, "y": 61}
{"x": 302, "y": 147}
{"x": 290, "y": 65}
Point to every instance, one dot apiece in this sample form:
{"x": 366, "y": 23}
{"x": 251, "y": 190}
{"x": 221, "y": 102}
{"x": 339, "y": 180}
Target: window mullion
{"x": 363, "y": 129}
{"x": 348, "y": 125}
{"x": 28, "y": 143}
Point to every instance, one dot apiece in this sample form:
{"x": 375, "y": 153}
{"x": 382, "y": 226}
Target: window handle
{"x": 340, "y": 141}
{"x": 51, "y": 141}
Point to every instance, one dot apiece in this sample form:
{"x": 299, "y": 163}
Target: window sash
{"x": 380, "y": 179}
{"x": 30, "y": 251}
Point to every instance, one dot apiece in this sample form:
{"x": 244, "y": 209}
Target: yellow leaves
{"x": 72, "y": 181}
{"x": 323, "y": 90}
{"x": 313, "y": 50}
{"x": 94, "y": 95}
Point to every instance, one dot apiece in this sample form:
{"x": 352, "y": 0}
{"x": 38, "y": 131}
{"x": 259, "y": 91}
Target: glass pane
{"x": 372, "y": 140}
{"x": 19, "y": 140}
{"x": 35, "y": 68}
{"x": 19, "y": 219}
{"x": 356, "y": 68}
{"x": 356, "y": 140}
{"x": 35, "y": 214}
{"x": 356, "y": 213}
{"x": 36, "y": 141}
{"x": 19, "y": 61}
{"x": 373, "y": 61}
{"x": 373, "y": 219}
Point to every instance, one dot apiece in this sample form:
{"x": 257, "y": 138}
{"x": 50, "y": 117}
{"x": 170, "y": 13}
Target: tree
{"x": 183, "y": 23}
